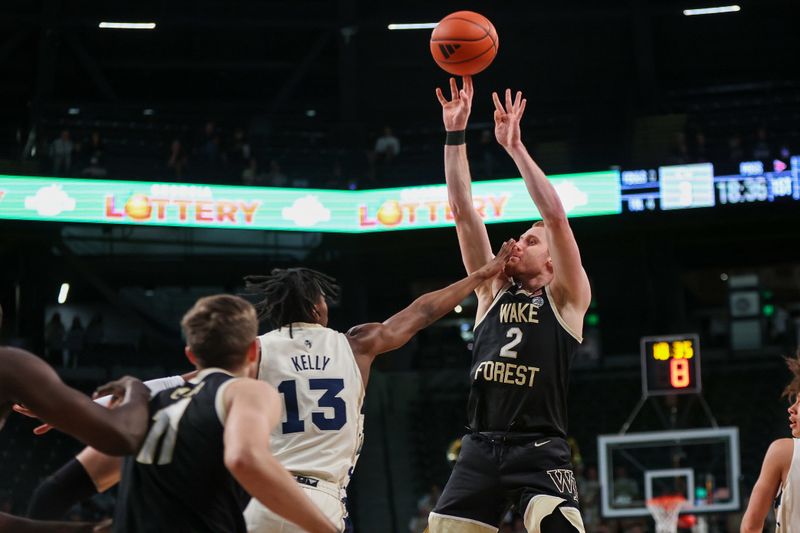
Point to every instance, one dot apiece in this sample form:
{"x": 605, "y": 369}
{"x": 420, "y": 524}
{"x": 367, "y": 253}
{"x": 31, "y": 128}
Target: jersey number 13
{"x": 330, "y": 399}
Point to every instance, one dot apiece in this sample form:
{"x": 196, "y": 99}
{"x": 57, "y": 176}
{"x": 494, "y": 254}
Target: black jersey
{"x": 520, "y": 365}
{"x": 178, "y": 481}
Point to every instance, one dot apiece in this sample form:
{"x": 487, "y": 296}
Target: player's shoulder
{"x": 247, "y": 389}
{"x": 249, "y": 385}
{"x": 16, "y": 354}
{"x": 780, "y": 452}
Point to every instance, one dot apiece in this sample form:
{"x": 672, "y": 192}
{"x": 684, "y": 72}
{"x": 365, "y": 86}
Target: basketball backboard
{"x": 703, "y": 465}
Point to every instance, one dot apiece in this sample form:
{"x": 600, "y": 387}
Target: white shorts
{"x": 326, "y": 496}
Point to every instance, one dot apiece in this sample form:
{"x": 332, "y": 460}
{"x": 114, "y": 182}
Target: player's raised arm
{"x": 476, "y": 250}
{"x": 35, "y": 384}
{"x": 776, "y": 462}
{"x": 570, "y": 285}
{"x": 369, "y": 340}
{"x": 253, "y": 409}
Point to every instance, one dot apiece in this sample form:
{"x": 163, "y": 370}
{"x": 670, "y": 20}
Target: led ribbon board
{"x": 269, "y": 208}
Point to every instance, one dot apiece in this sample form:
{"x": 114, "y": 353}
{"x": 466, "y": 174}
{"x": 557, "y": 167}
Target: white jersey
{"x": 315, "y": 371}
{"x": 787, "y": 515}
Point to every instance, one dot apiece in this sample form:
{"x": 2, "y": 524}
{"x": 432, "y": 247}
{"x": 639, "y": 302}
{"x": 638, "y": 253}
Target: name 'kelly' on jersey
{"x": 314, "y": 369}
{"x": 520, "y": 365}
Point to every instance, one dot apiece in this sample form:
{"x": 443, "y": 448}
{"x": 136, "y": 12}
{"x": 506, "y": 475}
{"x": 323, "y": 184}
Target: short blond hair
{"x": 219, "y": 329}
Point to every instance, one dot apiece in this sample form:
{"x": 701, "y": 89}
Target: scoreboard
{"x": 698, "y": 185}
{"x": 671, "y": 365}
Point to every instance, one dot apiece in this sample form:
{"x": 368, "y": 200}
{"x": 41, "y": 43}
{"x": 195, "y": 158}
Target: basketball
{"x": 464, "y": 43}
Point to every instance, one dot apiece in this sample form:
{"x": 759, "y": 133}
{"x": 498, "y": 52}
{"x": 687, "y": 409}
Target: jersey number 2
{"x": 506, "y": 350}
{"x": 332, "y": 388}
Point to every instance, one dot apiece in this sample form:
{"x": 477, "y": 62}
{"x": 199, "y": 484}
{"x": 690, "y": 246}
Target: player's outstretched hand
{"x": 496, "y": 265}
{"x": 122, "y": 390}
{"x": 455, "y": 112}
{"x": 38, "y": 430}
{"x": 506, "y": 119}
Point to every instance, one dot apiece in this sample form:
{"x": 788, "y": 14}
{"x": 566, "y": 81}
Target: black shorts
{"x": 496, "y": 471}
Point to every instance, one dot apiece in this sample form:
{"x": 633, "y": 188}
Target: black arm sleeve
{"x": 57, "y": 494}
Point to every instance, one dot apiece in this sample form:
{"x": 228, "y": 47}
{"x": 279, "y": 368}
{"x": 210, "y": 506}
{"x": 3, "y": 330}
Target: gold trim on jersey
{"x": 494, "y": 302}
{"x": 558, "y": 316}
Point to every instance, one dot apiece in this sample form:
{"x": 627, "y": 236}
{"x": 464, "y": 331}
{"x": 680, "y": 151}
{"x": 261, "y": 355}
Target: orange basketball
{"x": 464, "y": 43}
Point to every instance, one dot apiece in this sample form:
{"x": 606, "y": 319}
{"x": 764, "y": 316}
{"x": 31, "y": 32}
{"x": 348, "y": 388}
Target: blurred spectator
{"x": 700, "y": 149}
{"x": 54, "y": 339}
{"x": 276, "y": 178}
{"x": 428, "y": 502}
{"x": 626, "y": 491}
{"x": 735, "y": 150}
{"x": 95, "y": 331}
{"x": 418, "y": 523}
{"x": 300, "y": 182}
{"x": 251, "y": 175}
{"x": 210, "y": 156}
{"x": 518, "y": 526}
{"x": 75, "y": 342}
{"x": 424, "y": 506}
{"x": 589, "y": 491}
{"x": 386, "y": 149}
{"x": 94, "y": 166}
{"x": 387, "y": 146}
{"x": 209, "y": 149}
{"x": 94, "y": 147}
{"x": 61, "y": 153}
{"x": 679, "y": 153}
{"x": 240, "y": 151}
{"x": 761, "y": 150}
{"x": 177, "y": 159}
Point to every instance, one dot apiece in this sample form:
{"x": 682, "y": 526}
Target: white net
{"x": 665, "y": 511}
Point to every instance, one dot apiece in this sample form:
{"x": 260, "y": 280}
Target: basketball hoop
{"x": 665, "y": 510}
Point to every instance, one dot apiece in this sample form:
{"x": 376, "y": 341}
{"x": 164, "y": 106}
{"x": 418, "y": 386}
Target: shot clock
{"x": 671, "y": 365}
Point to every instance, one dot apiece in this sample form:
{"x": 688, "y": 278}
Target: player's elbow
{"x": 461, "y": 209}
{"x": 555, "y": 217}
{"x": 456, "y": 208}
{"x": 239, "y": 460}
{"x": 751, "y": 524}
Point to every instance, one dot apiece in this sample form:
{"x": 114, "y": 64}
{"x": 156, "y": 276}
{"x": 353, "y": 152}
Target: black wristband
{"x": 454, "y": 138}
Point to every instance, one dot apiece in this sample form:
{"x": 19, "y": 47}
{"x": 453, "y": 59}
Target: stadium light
{"x": 712, "y": 10}
{"x": 414, "y": 26}
{"x": 63, "y": 293}
{"x": 127, "y": 25}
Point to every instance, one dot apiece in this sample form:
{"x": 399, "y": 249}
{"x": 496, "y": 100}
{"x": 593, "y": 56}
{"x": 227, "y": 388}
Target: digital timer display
{"x": 767, "y": 187}
{"x": 670, "y": 365}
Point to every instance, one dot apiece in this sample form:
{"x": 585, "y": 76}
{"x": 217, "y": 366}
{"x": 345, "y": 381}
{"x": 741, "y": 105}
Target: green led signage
{"x": 268, "y": 208}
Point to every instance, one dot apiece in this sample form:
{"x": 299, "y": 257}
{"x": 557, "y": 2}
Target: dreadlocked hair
{"x": 290, "y": 294}
{"x": 793, "y": 388}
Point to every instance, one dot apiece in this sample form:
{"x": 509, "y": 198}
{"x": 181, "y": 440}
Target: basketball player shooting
{"x": 528, "y": 326}
{"x": 779, "y": 480}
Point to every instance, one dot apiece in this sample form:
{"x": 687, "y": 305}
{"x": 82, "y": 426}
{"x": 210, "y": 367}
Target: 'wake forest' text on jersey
{"x": 520, "y": 365}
